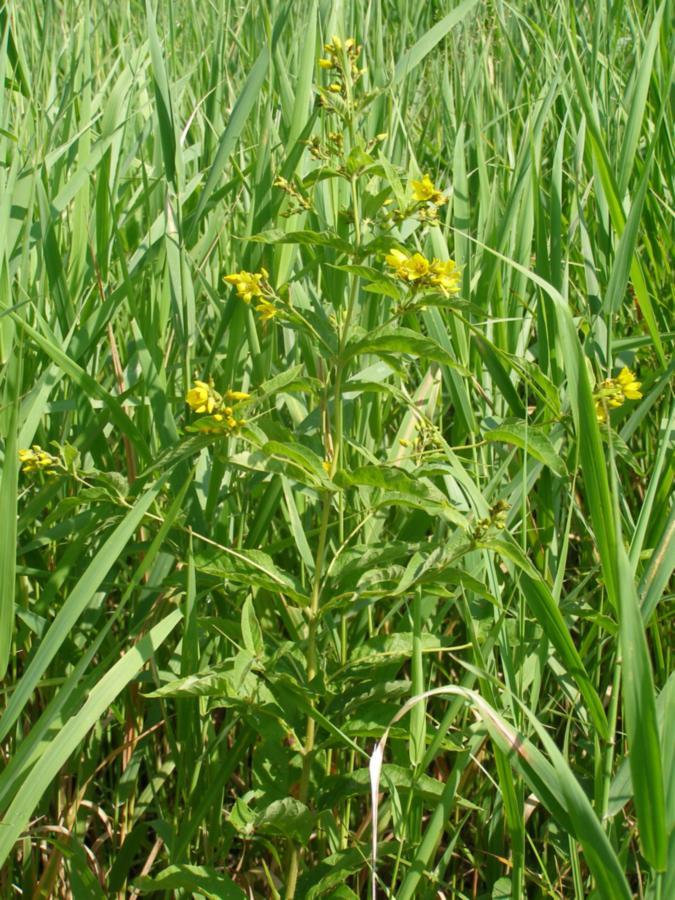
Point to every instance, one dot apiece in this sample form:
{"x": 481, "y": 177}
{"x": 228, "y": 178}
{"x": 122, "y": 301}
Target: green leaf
{"x": 60, "y": 748}
{"x": 306, "y": 238}
{"x": 233, "y": 680}
{"x": 386, "y": 478}
{"x": 401, "y": 340}
{"x": 89, "y": 386}
{"x": 553, "y": 783}
{"x": 640, "y": 721}
{"x": 250, "y": 629}
{"x": 288, "y": 818}
{"x": 167, "y": 129}
{"x": 194, "y": 879}
{"x": 240, "y": 113}
{"x": 8, "y": 493}
{"x": 414, "y": 56}
{"x": 660, "y": 568}
{"x": 357, "y": 161}
{"x": 278, "y": 382}
{"x": 254, "y": 567}
{"x": 80, "y": 597}
{"x": 74, "y": 687}
{"x": 533, "y": 440}
{"x": 638, "y": 104}
{"x": 337, "y": 787}
{"x": 544, "y": 608}
{"x": 300, "y": 457}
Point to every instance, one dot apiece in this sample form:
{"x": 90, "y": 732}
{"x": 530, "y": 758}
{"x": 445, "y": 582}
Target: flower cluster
{"x": 427, "y": 441}
{"x": 614, "y": 391}
{"x": 203, "y": 398}
{"x": 419, "y": 273}
{"x": 299, "y": 202}
{"x": 495, "y": 519}
{"x": 38, "y": 460}
{"x": 332, "y": 148}
{"x": 254, "y": 286}
{"x": 341, "y": 64}
{"x": 337, "y": 51}
{"x": 248, "y": 284}
{"x": 424, "y": 191}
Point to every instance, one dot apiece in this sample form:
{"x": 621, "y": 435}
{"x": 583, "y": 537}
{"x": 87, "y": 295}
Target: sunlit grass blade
{"x": 64, "y": 744}
{"x": 75, "y": 605}
{"x": 8, "y": 510}
{"x": 640, "y": 718}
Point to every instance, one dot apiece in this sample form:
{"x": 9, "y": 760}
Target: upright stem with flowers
{"x": 403, "y": 276}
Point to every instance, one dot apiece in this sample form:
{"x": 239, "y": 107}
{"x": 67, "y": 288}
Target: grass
{"x": 424, "y": 535}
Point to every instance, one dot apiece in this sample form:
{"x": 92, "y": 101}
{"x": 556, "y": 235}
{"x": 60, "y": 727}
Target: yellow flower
{"x": 248, "y": 284}
{"x": 335, "y": 88}
{"x": 424, "y": 191}
{"x": 417, "y": 266}
{"x": 613, "y": 391}
{"x": 36, "y": 459}
{"x": 395, "y": 259}
{"x": 408, "y": 268}
{"x": 326, "y": 63}
{"x": 445, "y": 276}
{"x": 629, "y": 386}
{"x": 267, "y": 310}
{"x": 201, "y": 398}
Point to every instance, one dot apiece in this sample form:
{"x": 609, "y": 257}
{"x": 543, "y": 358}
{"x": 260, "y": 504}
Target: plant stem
{"x": 611, "y": 738}
{"x": 312, "y": 667}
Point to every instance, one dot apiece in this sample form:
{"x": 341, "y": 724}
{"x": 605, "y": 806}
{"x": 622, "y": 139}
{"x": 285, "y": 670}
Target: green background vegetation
{"x": 187, "y": 618}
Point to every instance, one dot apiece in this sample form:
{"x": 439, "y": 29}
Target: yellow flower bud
{"x": 237, "y": 395}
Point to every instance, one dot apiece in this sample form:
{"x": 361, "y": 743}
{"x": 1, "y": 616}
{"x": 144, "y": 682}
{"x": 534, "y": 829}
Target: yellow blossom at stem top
{"x": 424, "y": 191}
{"x": 612, "y": 393}
{"x": 408, "y": 268}
{"x": 36, "y": 459}
{"x": 248, "y": 284}
{"x": 201, "y": 398}
{"x": 421, "y": 274}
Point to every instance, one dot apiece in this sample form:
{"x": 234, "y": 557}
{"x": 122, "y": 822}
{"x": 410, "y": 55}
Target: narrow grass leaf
{"x": 202, "y": 880}
{"x": 75, "y": 605}
{"x": 8, "y": 495}
{"x": 640, "y": 722}
{"x": 66, "y": 741}
{"x": 421, "y": 48}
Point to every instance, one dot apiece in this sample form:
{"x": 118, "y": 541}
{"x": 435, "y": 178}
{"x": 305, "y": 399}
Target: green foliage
{"x": 383, "y": 484}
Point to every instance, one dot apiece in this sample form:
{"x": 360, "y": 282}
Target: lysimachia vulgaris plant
{"x": 364, "y": 268}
